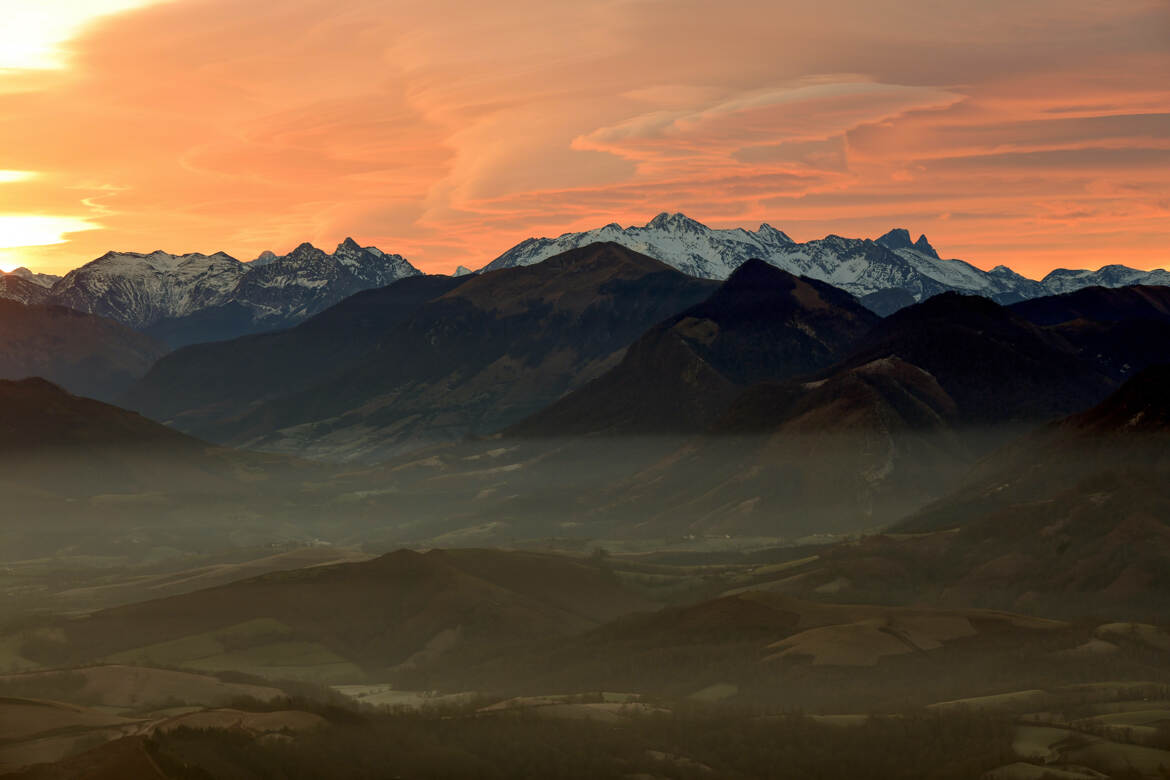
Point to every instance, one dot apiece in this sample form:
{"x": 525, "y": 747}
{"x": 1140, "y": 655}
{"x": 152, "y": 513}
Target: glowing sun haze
{"x": 1033, "y": 134}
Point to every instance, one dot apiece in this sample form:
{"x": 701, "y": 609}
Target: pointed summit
{"x": 898, "y": 238}
{"x": 770, "y": 233}
{"x": 675, "y": 221}
{"x": 462, "y": 271}
{"x": 923, "y": 246}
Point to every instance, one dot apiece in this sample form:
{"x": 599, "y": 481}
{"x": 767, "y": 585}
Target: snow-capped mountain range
{"x": 886, "y": 273}
{"x": 186, "y": 298}
{"x": 26, "y": 286}
{"x": 146, "y": 291}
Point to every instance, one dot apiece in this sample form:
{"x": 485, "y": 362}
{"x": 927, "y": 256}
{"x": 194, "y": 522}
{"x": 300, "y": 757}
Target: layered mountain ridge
{"x": 443, "y": 358}
{"x": 188, "y": 298}
{"x": 886, "y": 274}
{"x": 183, "y": 299}
{"x": 88, "y": 355}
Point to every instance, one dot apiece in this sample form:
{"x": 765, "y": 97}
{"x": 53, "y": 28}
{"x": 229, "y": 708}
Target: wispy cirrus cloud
{"x": 1030, "y": 134}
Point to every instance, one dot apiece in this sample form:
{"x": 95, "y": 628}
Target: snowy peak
{"x": 769, "y": 233}
{"x": 675, "y": 239}
{"x": 886, "y": 274}
{"x": 675, "y": 221}
{"x": 142, "y": 290}
{"x": 899, "y": 238}
{"x": 43, "y": 280}
{"x": 14, "y": 287}
{"x": 1064, "y": 280}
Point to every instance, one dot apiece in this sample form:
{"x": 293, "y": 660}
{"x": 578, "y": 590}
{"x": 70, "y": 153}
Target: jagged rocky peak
{"x": 768, "y": 232}
{"x": 898, "y": 238}
{"x": 923, "y": 246}
{"x": 43, "y": 280}
{"x": 462, "y": 271}
{"x": 675, "y": 221}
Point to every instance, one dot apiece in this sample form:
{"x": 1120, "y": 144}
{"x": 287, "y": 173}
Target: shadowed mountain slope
{"x": 81, "y": 475}
{"x": 216, "y": 381}
{"x": 73, "y": 446}
{"x": 761, "y": 324}
{"x": 473, "y": 359}
{"x": 862, "y": 443}
{"x": 1069, "y": 520}
{"x": 1103, "y": 304}
{"x": 1121, "y": 331}
{"x": 996, "y": 366}
{"x": 855, "y": 450}
{"x": 84, "y": 353}
{"x": 1128, "y": 434}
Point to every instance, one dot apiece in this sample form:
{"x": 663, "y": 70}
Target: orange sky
{"x": 1035, "y": 134}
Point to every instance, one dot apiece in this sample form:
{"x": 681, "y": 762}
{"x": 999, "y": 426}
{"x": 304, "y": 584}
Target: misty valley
{"x": 648, "y": 502}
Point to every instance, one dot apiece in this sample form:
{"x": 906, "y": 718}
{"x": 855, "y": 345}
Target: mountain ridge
{"x": 892, "y": 269}
{"x": 193, "y": 297}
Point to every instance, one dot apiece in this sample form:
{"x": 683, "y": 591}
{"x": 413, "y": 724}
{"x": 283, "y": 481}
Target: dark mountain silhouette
{"x": 81, "y": 474}
{"x": 849, "y": 452}
{"x": 78, "y": 446}
{"x": 761, "y": 324}
{"x": 471, "y": 360}
{"x": 862, "y": 443}
{"x": 84, "y": 353}
{"x": 1103, "y": 304}
{"x": 1119, "y": 330}
{"x": 996, "y": 366}
{"x": 210, "y": 382}
{"x": 1128, "y": 433}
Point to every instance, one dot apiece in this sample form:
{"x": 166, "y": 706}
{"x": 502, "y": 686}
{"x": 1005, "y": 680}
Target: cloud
{"x": 449, "y": 131}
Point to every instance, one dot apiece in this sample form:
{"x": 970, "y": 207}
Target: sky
{"x": 1031, "y": 133}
